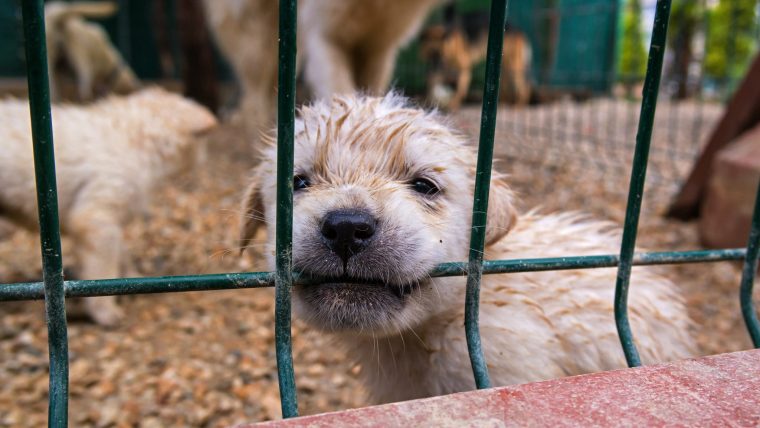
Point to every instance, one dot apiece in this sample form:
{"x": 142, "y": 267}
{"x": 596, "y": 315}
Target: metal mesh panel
{"x": 53, "y": 288}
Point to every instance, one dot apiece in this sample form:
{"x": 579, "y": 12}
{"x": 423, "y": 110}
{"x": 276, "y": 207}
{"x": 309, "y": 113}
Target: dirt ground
{"x": 207, "y": 358}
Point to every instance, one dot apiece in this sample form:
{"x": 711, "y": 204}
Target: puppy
{"x": 382, "y": 194}
{"x": 86, "y": 49}
{"x": 352, "y": 45}
{"x": 343, "y": 45}
{"x": 109, "y": 158}
{"x": 453, "y": 49}
{"x": 450, "y": 57}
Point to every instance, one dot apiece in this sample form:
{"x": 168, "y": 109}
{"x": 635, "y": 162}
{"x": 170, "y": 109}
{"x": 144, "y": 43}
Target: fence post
{"x": 47, "y": 205}
{"x": 286, "y": 109}
{"x": 748, "y": 276}
{"x": 482, "y": 185}
{"x": 638, "y": 176}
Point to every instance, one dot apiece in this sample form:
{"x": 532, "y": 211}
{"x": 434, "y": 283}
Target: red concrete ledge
{"x": 721, "y": 390}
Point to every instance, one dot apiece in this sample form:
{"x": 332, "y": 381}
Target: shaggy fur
{"x": 109, "y": 158}
{"x": 343, "y": 45}
{"x": 406, "y": 329}
{"x": 86, "y": 49}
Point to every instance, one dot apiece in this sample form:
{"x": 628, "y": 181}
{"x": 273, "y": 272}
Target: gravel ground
{"x": 207, "y": 359}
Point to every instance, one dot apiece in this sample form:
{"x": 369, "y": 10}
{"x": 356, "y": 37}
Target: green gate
{"x": 53, "y": 289}
{"x": 573, "y": 44}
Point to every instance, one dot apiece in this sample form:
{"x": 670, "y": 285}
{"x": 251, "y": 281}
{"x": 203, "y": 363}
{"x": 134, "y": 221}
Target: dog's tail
{"x": 58, "y": 11}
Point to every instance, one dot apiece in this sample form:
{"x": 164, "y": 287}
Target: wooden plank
{"x": 742, "y": 113}
{"x": 718, "y": 390}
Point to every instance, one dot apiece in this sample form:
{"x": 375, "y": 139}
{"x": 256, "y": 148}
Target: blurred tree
{"x": 685, "y": 19}
{"x": 633, "y": 55}
{"x": 731, "y": 40}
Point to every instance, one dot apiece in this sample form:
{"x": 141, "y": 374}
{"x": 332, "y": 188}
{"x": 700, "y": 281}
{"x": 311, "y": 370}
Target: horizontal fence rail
{"x": 54, "y": 289}
{"x": 233, "y": 281}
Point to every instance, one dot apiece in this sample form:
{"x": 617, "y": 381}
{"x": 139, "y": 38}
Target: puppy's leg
{"x": 83, "y": 68}
{"x": 127, "y": 268}
{"x": 98, "y": 239}
{"x": 522, "y": 88}
{"x": 375, "y": 68}
{"x": 328, "y": 68}
{"x": 85, "y": 80}
{"x": 507, "y": 87}
{"x": 259, "y": 104}
{"x": 463, "y": 85}
{"x": 52, "y": 59}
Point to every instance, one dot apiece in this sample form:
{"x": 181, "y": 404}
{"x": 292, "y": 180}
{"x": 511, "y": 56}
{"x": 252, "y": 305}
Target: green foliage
{"x": 633, "y": 55}
{"x": 731, "y": 40}
{"x": 685, "y": 18}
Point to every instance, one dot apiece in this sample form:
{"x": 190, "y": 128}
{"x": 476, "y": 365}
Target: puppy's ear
{"x": 502, "y": 214}
{"x": 199, "y": 120}
{"x": 252, "y": 216}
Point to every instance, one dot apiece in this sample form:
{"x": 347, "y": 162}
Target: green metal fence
{"x": 53, "y": 289}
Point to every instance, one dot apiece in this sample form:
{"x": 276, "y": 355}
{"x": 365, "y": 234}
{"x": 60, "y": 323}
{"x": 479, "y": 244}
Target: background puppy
{"x": 343, "y": 45}
{"x": 109, "y": 158}
{"x": 451, "y": 58}
{"x": 383, "y": 193}
{"x": 85, "y": 49}
{"x": 454, "y": 48}
{"x": 350, "y": 45}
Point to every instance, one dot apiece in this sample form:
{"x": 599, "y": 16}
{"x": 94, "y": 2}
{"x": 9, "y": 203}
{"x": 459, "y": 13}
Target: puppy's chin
{"x": 354, "y": 307}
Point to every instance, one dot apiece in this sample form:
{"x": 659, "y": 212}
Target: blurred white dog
{"x": 343, "y": 45}
{"x": 85, "y": 47}
{"x": 109, "y": 158}
{"x": 382, "y": 194}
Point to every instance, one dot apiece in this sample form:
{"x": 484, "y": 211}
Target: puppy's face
{"x": 382, "y": 194}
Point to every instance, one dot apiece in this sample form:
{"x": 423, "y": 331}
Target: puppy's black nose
{"x": 347, "y": 232}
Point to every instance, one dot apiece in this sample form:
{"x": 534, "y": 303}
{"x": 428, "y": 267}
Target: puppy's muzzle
{"x": 347, "y": 232}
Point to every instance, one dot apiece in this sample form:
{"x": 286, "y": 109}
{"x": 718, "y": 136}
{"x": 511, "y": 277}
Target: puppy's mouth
{"x": 359, "y": 285}
{"x": 353, "y": 304}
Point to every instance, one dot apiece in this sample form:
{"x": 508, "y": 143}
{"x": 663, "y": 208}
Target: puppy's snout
{"x": 347, "y": 232}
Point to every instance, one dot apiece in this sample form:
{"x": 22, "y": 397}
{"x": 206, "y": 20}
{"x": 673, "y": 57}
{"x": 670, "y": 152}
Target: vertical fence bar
{"x": 482, "y": 185}
{"x": 638, "y": 176}
{"x": 286, "y": 110}
{"x": 748, "y": 276}
{"x": 47, "y": 203}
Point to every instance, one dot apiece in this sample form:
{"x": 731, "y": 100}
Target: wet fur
{"x": 361, "y": 152}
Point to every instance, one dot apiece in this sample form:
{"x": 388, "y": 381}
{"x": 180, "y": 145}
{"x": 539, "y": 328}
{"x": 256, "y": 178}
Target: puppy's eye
{"x": 300, "y": 182}
{"x": 424, "y": 186}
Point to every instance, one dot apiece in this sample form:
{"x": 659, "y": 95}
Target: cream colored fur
{"x": 366, "y": 154}
{"x": 109, "y": 158}
{"x": 343, "y": 45}
{"x": 98, "y": 67}
{"x": 246, "y": 31}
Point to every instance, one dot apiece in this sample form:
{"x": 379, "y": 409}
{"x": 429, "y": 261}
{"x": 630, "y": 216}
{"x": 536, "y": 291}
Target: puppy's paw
{"x": 104, "y": 311}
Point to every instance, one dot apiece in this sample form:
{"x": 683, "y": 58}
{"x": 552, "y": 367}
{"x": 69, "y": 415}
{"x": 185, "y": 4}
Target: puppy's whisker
{"x": 390, "y": 347}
